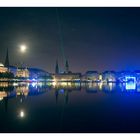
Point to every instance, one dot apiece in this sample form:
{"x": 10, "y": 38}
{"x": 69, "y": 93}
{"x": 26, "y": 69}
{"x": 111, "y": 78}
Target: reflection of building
{"x": 67, "y": 85}
{"x": 64, "y": 92}
{"x": 22, "y": 90}
{"x": 22, "y": 72}
{"x": 3, "y": 69}
{"x": 3, "y": 94}
{"x": 91, "y": 87}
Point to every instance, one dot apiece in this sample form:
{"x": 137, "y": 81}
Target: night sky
{"x": 92, "y": 38}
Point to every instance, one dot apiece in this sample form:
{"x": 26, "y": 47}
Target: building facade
{"x": 92, "y": 76}
{"x": 109, "y": 76}
{"x": 22, "y": 73}
{"x": 64, "y": 77}
{"x": 3, "y": 69}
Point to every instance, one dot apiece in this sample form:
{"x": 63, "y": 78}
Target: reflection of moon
{"x": 23, "y": 48}
{"x": 22, "y": 114}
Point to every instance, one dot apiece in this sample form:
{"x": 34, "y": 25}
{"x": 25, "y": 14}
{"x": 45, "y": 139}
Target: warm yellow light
{"x": 100, "y": 77}
{"x": 23, "y": 48}
{"x": 100, "y": 86}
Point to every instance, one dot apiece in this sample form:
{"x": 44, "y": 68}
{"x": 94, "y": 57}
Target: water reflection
{"x": 23, "y": 90}
{"x": 37, "y": 103}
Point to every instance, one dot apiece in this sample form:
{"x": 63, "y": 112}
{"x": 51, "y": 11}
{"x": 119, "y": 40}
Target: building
{"x": 137, "y": 74}
{"x": 109, "y": 76}
{"x": 64, "y": 77}
{"x": 39, "y": 74}
{"x": 3, "y": 69}
{"x": 22, "y": 73}
{"x": 122, "y": 75}
{"x": 92, "y": 76}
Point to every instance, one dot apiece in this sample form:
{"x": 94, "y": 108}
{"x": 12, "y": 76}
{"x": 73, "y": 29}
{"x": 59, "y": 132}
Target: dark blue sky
{"x": 93, "y": 38}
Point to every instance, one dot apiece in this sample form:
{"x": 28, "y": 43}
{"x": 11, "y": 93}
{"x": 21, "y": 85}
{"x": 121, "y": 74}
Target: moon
{"x": 23, "y": 48}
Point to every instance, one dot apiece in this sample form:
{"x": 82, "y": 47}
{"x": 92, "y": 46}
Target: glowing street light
{"x": 23, "y": 48}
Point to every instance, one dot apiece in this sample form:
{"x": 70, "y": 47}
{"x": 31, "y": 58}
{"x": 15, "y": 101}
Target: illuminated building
{"x": 109, "y": 76}
{"x": 3, "y": 94}
{"x": 39, "y": 74}
{"x": 92, "y": 76}
{"x": 137, "y": 74}
{"x": 3, "y": 69}
{"x": 22, "y": 73}
{"x": 64, "y": 77}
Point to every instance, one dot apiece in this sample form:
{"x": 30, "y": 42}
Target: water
{"x": 69, "y": 107}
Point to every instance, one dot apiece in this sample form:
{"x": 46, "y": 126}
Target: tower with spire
{"x": 56, "y": 68}
{"x": 6, "y": 64}
{"x": 67, "y": 67}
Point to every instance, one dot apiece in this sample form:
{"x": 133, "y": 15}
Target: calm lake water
{"x": 69, "y": 107}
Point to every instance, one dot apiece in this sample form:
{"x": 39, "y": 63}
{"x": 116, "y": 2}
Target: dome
{"x": 1, "y": 65}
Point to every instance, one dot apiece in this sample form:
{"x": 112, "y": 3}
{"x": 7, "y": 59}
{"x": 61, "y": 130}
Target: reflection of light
{"x": 15, "y": 84}
{"x": 54, "y": 83}
{"x": 100, "y": 77}
{"x": 1, "y": 98}
{"x": 22, "y": 114}
{"x": 64, "y": 84}
{"x": 33, "y": 84}
{"x": 110, "y": 86}
{"x": 138, "y": 87}
{"x": 100, "y": 85}
{"x": 61, "y": 91}
{"x": 130, "y": 83}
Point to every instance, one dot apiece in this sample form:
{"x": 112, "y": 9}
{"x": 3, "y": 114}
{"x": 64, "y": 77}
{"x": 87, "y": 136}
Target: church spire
{"x": 56, "y": 68}
{"x": 67, "y": 66}
{"x": 7, "y": 59}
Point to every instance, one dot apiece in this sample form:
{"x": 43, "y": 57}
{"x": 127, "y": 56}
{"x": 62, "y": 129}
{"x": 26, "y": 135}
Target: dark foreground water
{"x": 69, "y": 107}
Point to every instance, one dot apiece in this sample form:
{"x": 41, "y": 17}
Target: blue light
{"x": 130, "y": 83}
{"x": 33, "y": 84}
{"x": 61, "y": 91}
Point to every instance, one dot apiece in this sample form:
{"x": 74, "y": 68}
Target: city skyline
{"x": 89, "y": 38}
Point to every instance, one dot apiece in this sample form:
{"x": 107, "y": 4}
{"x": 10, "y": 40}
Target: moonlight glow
{"x": 23, "y": 48}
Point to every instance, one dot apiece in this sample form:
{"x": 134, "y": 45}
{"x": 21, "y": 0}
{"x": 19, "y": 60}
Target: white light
{"x": 22, "y": 114}
{"x": 23, "y": 48}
